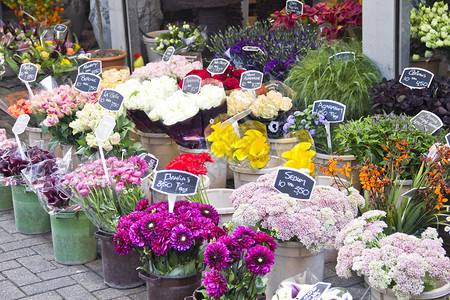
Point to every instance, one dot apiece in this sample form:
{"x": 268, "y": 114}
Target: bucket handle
{"x": 102, "y": 235}
{"x": 156, "y": 281}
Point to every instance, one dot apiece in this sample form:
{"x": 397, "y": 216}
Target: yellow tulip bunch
{"x": 301, "y": 157}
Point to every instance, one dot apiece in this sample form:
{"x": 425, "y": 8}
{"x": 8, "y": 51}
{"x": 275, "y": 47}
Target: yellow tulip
{"x": 65, "y": 62}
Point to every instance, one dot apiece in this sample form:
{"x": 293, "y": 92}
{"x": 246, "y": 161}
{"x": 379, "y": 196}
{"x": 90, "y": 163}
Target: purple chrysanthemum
{"x": 259, "y": 259}
{"x": 151, "y": 225}
{"x": 244, "y": 237}
{"x": 213, "y": 232}
{"x": 181, "y": 238}
{"x": 215, "y": 284}
{"x": 209, "y": 212}
{"x": 136, "y": 236}
{"x": 142, "y": 205}
{"x": 262, "y": 238}
{"x": 232, "y": 246}
{"x": 160, "y": 244}
{"x": 217, "y": 256}
{"x": 121, "y": 242}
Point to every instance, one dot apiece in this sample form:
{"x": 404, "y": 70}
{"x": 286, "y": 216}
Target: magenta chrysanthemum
{"x": 181, "y": 238}
{"x": 209, "y": 212}
{"x": 259, "y": 259}
{"x": 217, "y": 256}
{"x": 215, "y": 284}
{"x": 212, "y": 232}
{"x": 262, "y": 238}
{"x": 151, "y": 225}
{"x": 244, "y": 237}
{"x": 142, "y": 205}
{"x": 232, "y": 246}
{"x": 121, "y": 242}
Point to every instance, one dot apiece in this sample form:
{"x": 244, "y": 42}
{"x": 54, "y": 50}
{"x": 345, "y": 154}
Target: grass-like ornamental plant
{"x": 346, "y": 81}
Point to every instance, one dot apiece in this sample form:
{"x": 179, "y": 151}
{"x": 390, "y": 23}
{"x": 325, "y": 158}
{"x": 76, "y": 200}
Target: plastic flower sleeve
{"x": 251, "y": 150}
{"x": 183, "y": 39}
{"x": 11, "y": 163}
{"x": 220, "y": 138}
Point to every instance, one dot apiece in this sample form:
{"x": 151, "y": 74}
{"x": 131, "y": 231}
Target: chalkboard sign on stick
{"x": 427, "y": 121}
{"x": 333, "y": 111}
{"x": 21, "y": 124}
{"x": 191, "y": 84}
{"x": 296, "y": 184}
{"x": 316, "y": 292}
{"x": 416, "y": 78}
{"x": 110, "y": 100}
{"x": 28, "y": 72}
{"x": 152, "y": 164}
{"x": 294, "y": 6}
{"x": 175, "y": 182}
{"x": 167, "y": 56}
{"x": 60, "y": 28}
{"x": 91, "y": 67}
{"x": 105, "y": 128}
{"x": 87, "y": 83}
{"x": 251, "y": 80}
{"x": 252, "y": 49}
{"x": 447, "y": 137}
{"x": 342, "y": 56}
{"x": 218, "y": 66}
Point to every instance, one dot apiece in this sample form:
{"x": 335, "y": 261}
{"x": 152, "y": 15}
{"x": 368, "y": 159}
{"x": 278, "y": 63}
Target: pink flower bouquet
{"x": 314, "y": 223}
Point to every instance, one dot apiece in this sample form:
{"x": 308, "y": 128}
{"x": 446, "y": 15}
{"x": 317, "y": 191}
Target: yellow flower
{"x": 48, "y": 42}
{"x": 26, "y": 60}
{"x": 65, "y": 62}
{"x": 44, "y": 54}
{"x": 222, "y": 140}
{"x": 252, "y": 146}
{"x": 40, "y": 48}
{"x": 76, "y": 47}
{"x": 300, "y": 157}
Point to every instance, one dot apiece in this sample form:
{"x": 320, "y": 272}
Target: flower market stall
{"x": 282, "y": 148}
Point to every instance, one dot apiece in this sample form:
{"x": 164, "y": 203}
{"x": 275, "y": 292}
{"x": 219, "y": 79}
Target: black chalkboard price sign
{"x": 110, "y": 100}
{"x": 218, "y": 66}
{"x": 87, "y": 83}
{"x": 447, "y": 137}
{"x": 191, "y": 84}
{"x": 341, "y": 56}
{"x": 152, "y": 164}
{"x": 28, "y": 72}
{"x": 316, "y": 291}
{"x": 294, "y": 6}
{"x": 167, "y": 56}
{"x": 427, "y": 121}
{"x": 333, "y": 111}
{"x": 251, "y": 80}
{"x": 416, "y": 78}
{"x": 175, "y": 182}
{"x": 60, "y": 28}
{"x": 296, "y": 184}
{"x": 91, "y": 67}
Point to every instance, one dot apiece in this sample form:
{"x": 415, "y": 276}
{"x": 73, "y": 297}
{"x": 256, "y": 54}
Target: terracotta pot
{"x": 118, "y": 60}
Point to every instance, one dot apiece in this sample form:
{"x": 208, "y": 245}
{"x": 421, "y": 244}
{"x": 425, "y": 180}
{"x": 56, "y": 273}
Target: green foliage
{"x": 315, "y": 78}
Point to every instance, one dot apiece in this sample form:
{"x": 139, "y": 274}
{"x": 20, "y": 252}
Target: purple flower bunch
{"x": 169, "y": 243}
{"x": 314, "y": 223}
{"x": 405, "y": 263}
{"x": 103, "y": 199}
{"x": 237, "y": 261}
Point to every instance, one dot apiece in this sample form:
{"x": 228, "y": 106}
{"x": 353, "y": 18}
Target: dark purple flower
{"x": 160, "y": 244}
{"x": 259, "y": 259}
{"x": 213, "y": 232}
{"x": 244, "y": 237}
{"x": 181, "y": 238}
{"x": 136, "y": 236}
{"x": 262, "y": 238}
{"x": 209, "y": 212}
{"x": 232, "y": 246}
{"x": 151, "y": 225}
{"x": 142, "y": 205}
{"x": 217, "y": 256}
{"x": 121, "y": 242}
{"x": 215, "y": 284}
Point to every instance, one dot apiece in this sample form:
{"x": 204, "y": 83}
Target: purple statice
{"x": 259, "y": 259}
{"x": 181, "y": 238}
{"x": 262, "y": 238}
{"x": 217, "y": 256}
{"x": 215, "y": 284}
{"x": 121, "y": 242}
{"x": 142, "y": 205}
{"x": 244, "y": 237}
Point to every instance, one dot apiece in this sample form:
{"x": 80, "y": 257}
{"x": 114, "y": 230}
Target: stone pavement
{"x": 28, "y": 270}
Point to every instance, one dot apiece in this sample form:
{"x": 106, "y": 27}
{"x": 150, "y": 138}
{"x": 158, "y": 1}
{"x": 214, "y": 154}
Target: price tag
{"x": 105, "y": 128}
{"x": 152, "y": 164}
{"x": 416, "y": 78}
{"x": 191, "y": 84}
{"x": 333, "y": 111}
{"x": 87, "y": 83}
{"x": 412, "y": 192}
{"x": 167, "y": 56}
{"x": 28, "y": 72}
{"x": 91, "y": 67}
{"x": 296, "y": 184}
{"x": 110, "y": 100}
{"x": 294, "y": 6}
{"x": 447, "y": 137}
{"x": 21, "y": 124}
{"x": 60, "y": 28}
{"x": 218, "y": 66}
{"x": 316, "y": 291}
{"x": 427, "y": 121}
{"x": 252, "y": 49}
{"x": 175, "y": 182}
{"x": 341, "y": 56}
{"x": 251, "y": 80}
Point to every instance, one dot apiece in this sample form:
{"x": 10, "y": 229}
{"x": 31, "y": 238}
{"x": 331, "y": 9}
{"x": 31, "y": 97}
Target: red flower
{"x": 192, "y": 163}
{"x": 237, "y": 73}
{"x": 221, "y": 77}
{"x": 231, "y": 83}
{"x": 202, "y": 73}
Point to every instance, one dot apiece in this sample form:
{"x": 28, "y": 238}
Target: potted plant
{"x": 395, "y": 266}
{"x": 303, "y": 229}
{"x": 170, "y": 244}
{"x": 238, "y": 264}
{"x": 5, "y": 188}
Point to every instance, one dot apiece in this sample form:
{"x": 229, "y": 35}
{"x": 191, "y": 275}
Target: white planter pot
{"x": 150, "y": 42}
{"x": 441, "y": 292}
{"x": 279, "y": 146}
{"x": 246, "y": 175}
{"x": 322, "y": 159}
{"x": 220, "y": 199}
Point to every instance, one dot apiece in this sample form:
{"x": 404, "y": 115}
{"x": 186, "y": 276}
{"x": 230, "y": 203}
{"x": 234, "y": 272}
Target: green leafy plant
{"x": 345, "y": 81}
